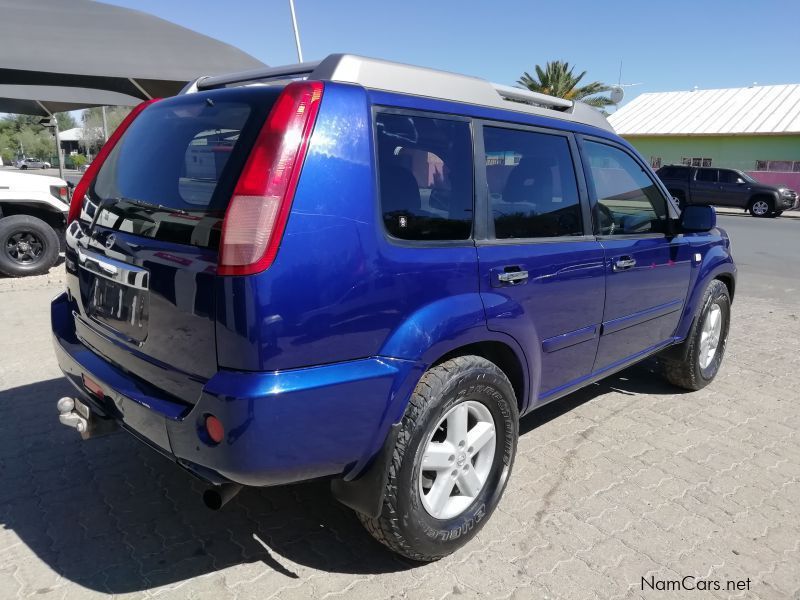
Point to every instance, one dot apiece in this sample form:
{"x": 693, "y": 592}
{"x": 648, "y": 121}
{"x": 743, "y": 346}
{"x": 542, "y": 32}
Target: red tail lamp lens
{"x": 260, "y": 205}
{"x": 214, "y": 429}
{"x": 88, "y": 177}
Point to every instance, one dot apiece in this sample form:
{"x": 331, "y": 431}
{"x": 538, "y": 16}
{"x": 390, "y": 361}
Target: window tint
{"x": 673, "y": 173}
{"x": 425, "y": 172}
{"x": 628, "y": 201}
{"x": 532, "y": 187}
{"x": 182, "y": 157}
{"x": 728, "y": 176}
{"x": 707, "y": 175}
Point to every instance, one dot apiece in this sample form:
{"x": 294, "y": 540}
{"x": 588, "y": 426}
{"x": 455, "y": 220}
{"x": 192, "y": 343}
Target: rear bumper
{"x": 280, "y": 427}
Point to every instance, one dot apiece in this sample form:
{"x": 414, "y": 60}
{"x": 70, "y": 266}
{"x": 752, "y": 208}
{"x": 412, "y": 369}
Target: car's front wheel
{"x": 695, "y": 363}
{"x": 28, "y": 246}
{"x": 760, "y": 207}
{"x": 451, "y": 462}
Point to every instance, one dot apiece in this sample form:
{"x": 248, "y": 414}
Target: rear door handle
{"x": 623, "y": 263}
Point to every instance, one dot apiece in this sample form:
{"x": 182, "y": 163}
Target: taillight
{"x": 257, "y": 213}
{"x": 91, "y": 171}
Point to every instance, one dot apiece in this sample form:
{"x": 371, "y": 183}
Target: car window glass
{"x": 728, "y": 177}
{"x": 532, "y": 186}
{"x": 628, "y": 200}
{"x": 707, "y": 175}
{"x": 425, "y": 173}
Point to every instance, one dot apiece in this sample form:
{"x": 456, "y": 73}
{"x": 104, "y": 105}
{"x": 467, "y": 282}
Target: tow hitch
{"x": 74, "y": 413}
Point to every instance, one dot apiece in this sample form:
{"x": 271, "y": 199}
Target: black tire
{"x": 405, "y": 525}
{"x": 39, "y": 249}
{"x": 757, "y": 208}
{"x": 686, "y": 371}
{"x": 23, "y": 168}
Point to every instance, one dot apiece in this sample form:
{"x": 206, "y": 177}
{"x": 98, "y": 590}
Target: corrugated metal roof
{"x": 757, "y": 110}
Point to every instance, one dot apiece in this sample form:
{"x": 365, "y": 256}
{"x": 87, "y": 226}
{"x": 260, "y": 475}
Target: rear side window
{"x": 172, "y": 174}
{"x": 673, "y": 173}
{"x": 707, "y": 175}
{"x": 425, "y": 174}
{"x": 532, "y": 187}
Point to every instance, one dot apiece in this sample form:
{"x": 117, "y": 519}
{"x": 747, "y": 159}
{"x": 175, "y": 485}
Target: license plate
{"x": 120, "y": 307}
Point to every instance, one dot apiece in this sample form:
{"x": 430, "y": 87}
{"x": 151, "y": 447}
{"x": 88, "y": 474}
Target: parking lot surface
{"x": 626, "y": 480}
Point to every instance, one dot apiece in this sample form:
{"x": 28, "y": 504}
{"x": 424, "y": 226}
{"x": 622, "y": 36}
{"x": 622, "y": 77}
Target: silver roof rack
{"x": 419, "y": 81}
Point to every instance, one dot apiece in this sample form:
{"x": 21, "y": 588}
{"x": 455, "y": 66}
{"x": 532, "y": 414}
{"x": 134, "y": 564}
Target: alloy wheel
{"x": 457, "y": 459}
{"x": 710, "y": 335}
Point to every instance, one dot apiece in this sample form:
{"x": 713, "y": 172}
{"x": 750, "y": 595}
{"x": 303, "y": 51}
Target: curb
{"x": 791, "y": 213}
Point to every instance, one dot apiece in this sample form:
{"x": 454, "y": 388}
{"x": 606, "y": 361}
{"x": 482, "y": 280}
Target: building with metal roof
{"x": 755, "y": 129}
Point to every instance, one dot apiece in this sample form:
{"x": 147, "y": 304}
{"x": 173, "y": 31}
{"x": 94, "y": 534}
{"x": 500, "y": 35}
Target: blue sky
{"x": 665, "y": 46}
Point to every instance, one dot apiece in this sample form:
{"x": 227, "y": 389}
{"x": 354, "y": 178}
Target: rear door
{"x": 142, "y": 256}
{"x": 541, "y": 269}
{"x": 705, "y": 189}
{"x": 647, "y": 269}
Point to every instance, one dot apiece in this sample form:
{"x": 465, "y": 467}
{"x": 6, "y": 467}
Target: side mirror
{"x": 696, "y": 218}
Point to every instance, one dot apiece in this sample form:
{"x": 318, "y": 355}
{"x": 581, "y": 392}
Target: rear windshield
{"x": 171, "y": 175}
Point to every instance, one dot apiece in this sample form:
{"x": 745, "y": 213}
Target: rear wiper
{"x": 152, "y": 206}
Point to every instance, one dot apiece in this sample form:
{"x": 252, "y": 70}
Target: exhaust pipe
{"x": 218, "y": 496}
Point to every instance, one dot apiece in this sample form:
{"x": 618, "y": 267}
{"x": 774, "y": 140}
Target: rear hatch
{"x": 142, "y": 256}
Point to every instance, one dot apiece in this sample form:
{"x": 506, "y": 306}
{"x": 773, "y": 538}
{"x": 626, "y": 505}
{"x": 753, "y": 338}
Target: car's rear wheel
{"x": 28, "y": 246}
{"x": 700, "y": 355}
{"x": 23, "y": 167}
{"x": 451, "y": 462}
{"x": 760, "y": 207}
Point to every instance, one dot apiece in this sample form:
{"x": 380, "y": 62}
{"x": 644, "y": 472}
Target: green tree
{"x": 558, "y": 79}
{"x": 65, "y": 121}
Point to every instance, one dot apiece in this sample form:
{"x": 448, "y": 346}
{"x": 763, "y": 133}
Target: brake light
{"x": 91, "y": 172}
{"x": 259, "y": 208}
{"x": 60, "y": 192}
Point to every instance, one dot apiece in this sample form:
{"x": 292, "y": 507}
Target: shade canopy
{"x": 85, "y": 44}
{"x": 45, "y": 100}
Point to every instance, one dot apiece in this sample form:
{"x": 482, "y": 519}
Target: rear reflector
{"x": 93, "y": 387}
{"x": 88, "y": 177}
{"x": 257, "y": 213}
{"x": 214, "y": 429}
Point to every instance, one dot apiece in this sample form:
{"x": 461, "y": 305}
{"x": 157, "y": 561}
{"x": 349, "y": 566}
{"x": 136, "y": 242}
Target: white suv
{"x": 33, "y": 211}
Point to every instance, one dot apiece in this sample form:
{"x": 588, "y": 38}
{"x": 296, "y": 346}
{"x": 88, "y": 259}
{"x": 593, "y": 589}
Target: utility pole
{"x": 105, "y": 125}
{"x": 296, "y": 32}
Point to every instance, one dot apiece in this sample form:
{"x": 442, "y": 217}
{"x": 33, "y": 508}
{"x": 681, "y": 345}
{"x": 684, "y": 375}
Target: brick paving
{"x": 630, "y": 478}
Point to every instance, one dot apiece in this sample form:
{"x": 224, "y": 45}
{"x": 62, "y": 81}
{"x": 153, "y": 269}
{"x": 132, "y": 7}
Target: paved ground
{"x": 628, "y": 479}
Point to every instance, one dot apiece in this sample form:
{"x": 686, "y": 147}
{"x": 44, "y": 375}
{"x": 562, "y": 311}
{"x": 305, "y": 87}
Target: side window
{"x": 425, "y": 173}
{"x": 707, "y": 175}
{"x": 628, "y": 201}
{"x": 532, "y": 187}
{"x": 728, "y": 177}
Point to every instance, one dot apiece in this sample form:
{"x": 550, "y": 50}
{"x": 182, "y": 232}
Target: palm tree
{"x": 558, "y": 79}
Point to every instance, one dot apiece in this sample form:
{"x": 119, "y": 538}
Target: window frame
{"x": 672, "y": 211}
{"x": 482, "y": 205}
{"x": 378, "y": 109}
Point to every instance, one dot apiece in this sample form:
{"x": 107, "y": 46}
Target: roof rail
{"x": 512, "y": 93}
{"x": 418, "y": 81}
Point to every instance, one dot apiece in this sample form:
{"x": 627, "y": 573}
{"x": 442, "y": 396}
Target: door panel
{"x": 542, "y": 279}
{"x": 643, "y": 301}
{"x": 704, "y": 187}
{"x": 555, "y": 314}
{"x": 647, "y": 269}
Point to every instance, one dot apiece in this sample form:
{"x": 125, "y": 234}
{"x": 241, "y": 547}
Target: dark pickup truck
{"x": 725, "y": 187}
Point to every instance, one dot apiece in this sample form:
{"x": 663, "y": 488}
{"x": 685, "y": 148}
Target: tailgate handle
{"x": 114, "y": 270}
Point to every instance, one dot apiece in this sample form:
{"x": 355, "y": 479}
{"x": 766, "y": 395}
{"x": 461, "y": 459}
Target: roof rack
{"x": 419, "y": 81}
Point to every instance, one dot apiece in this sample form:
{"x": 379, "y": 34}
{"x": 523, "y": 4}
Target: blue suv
{"x": 367, "y": 272}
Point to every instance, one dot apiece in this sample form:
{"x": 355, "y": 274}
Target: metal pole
{"x": 105, "y": 125}
{"x": 58, "y": 149}
{"x": 296, "y": 32}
